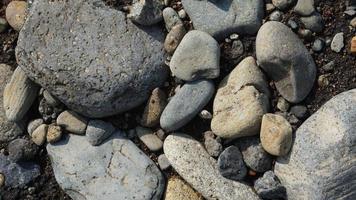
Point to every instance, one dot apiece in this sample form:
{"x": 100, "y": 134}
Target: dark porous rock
{"x": 90, "y": 57}
{"x": 269, "y": 187}
{"x": 48, "y": 112}
{"x": 231, "y": 165}
{"x": 22, "y": 150}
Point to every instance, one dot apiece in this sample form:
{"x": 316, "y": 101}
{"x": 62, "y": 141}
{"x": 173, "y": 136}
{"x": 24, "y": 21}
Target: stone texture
{"x": 177, "y": 189}
{"x": 72, "y": 122}
{"x": 98, "y": 130}
{"x": 39, "y": 134}
{"x": 171, "y": 18}
{"x": 149, "y": 139}
{"x": 299, "y": 111}
{"x": 321, "y": 164}
{"x": 154, "y": 108}
{"x": 231, "y": 165}
{"x": 3, "y": 24}
{"x": 146, "y": 12}
{"x": 54, "y": 133}
{"x": 163, "y": 162}
{"x": 95, "y": 74}
{"x": 117, "y": 167}
{"x": 189, "y": 158}
{"x": 269, "y": 187}
{"x": 221, "y": 18}
{"x": 313, "y": 22}
{"x": 21, "y": 150}
{"x": 286, "y": 61}
{"x": 174, "y": 37}
{"x": 33, "y": 125}
{"x": 212, "y": 145}
{"x": 50, "y": 99}
{"x": 16, "y": 12}
{"x": 197, "y": 57}
{"x": 338, "y": 42}
{"x": 304, "y": 7}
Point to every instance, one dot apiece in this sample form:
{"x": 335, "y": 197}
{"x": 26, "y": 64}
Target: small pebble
{"x": 39, "y": 134}
{"x": 236, "y": 50}
{"x": 306, "y": 34}
{"x": 292, "y": 24}
{"x": 98, "y": 130}
{"x": 154, "y": 108}
{"x": 328, "y": 41}
{"x": 338, "y": 42}
{"x": 16, "y": 12}
{"x": 323, "y": 80}
{"x": 72, "y": 122}
{"x": 276, "y": 16}
{"x": 270, "y": 7}
{"x": 282, "y": 104}
{"x": 22, "y": 150}
{"x": 161, "y": 134}
{"x": 304, "y": 7}
{"x": 350, "y": 12}
{"x": 329, "y": 66}
{"x": 314, "y": 22}
{"x": 269, "y": 187}
{"x": 163, "y": 162}
{"x": 204, "y": 114}
{"x": 299, "y": 111}
{"x": 353, "y": 45}
{"x": 182, "y": 14}
{"x": 231, "y": 164}
{"x": 151, "y": 140}
{"x": 54, "y": 133}
{"x": 3, "y": 24}
{"x": 353, "y": 22}
{"x": 212, "y": 145}
{"x": 234, "y": 36}
{"x": 173, "y": 38}
{"x": 171, "y": 18}
{"x": 2, "y": 180}
{"x": 283, "y": 4}
{"x": 318, "y": 45}
{"x": 33, "y": 125}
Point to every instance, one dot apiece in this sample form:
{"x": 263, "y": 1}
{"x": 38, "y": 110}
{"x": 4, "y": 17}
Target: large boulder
{"x": 90, "y": 56}
{"x": 322, "y": 164}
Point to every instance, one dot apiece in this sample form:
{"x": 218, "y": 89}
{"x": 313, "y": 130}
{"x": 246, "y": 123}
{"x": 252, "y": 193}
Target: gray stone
{"x": 3, "y": 24}
{"x": 321, "y": 164}
{"x": 182, "y": 14}
{"x": 163, "y": 162}
{"x": 174, "y": 37}
{"x": 318, "y": 45}
{"x": 72, "y": 122}
{"x": 292, "y": 24}
{"x": 283, "y": 4}
{"x": 329, "y": 66}
{"x": 146, "y": 12}
{"x": 337, "y": 43}
{"x": 276, "y": 16}
{"x": 105, "y": 68}
{"x": 231, "y": 165}
{"x": 117, "y": 167}
{"x": 299, "y": 111}
{"x": 282, "y": 104}
{"x": 21, "y": 150}
{"x": 221, "y": 18}
{"x": 304, "y": 7}
{"x": 235, "y": 51}
{"x": 33, "y": 125}
{"x": 186, "y": 104}
{"x": 269, "y": 187}
{"x": 151, "y": 140}
{"x": 286, "y": 61}
{"x": 313, "y": 22}
{"x": 189, "y": 158}
{"x": 212, "y": 145}
{"x": 306, "y": 34}
{"x": 196, "y": 57}
{"x": 50, "y": 99}
{"x": 171, "y": 18}
{"x": 98, "y": 130}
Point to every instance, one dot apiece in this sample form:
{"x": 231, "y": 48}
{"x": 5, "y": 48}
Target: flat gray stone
{"x": 98, "y": 130}
{"x": 321, "y": 164}
{"x": 313, "y": 22}
{"x": 90, "y": 57}
{"x": 147, "y": 12}
{"x": 151, "y": 140}
{"x": 117, "y": 168}
{"x": 269, "y": 187}
{"x": 286, "y": 61}
{"x": 304, "y": 7}
{"x": 189, "y": 158}
{"x": 222, "y": 18}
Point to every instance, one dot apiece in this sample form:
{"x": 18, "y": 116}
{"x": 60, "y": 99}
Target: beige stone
{"x": 174, "y": 37}
{"x": 149, "y": 139}
{"x": 177, "y": 189}
{"x": 72, "y": 122}
{"x": 54, "y": 133}
{"x": 39, "y": 134}
{"x": 154, "y": 108}
{"x": 353, "y": 45}
{"x": 2, "y": 180}
{"x": 16, "y": 12}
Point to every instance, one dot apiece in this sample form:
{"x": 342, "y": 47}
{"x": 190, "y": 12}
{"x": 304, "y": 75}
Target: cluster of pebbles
{"x": 83, "y": 66}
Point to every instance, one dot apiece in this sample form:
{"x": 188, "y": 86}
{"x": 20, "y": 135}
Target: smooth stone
{"x": 163, "y": 162}
{"x": 117, "y": 167}
{"x": 285, "y": 59}
{"x": 283, "y": 4}
{"x": 39, "y": 135}
{"x": 304, "y": 7}
{"x": 54, "y": 133}
{"x": 16, "y": 12}
{"x": 270, "y": 7}
{"x": 313, "y": 22}
{"x": 337, "y": 43}
{"x": 51, "y": 100}
{"x": 283, "y": 104}
{"x": 221, "y": 18}
{"x": 318, "y": 45}
{"x": 204, "y": 114}
{"x": 276, "y": 16}
{"x": 189, "y": 158}
{"x": 276, "y": 134}
{"x": 306, "y": 34}
{"x": 292, "y": 24}
{"x": 182, "y": 14}
{"x": 106, "y": 68}
{"x": 171, "y": 18}
{"x": 21, "y": 150}
{"x": 72, "y": 122}
{"x": 174, "y": 37}
{"x": 212, "y": 145}
{"x": 146, "y": 12}
{"x": 33, "y": 125}
{"x": 3, "y": 24}
{"x": 231, "y": 165}
{"x": 186, "y": 104}
{"x": 154, "y": 108}
{"x": 321, "y": 164}
{"x": 151, "y": 140}
{"x": 196, "y": 57}
{"x": 299, "y": 111}
{"x": 98, "y": 131}
{"x": 269, "y": 187}
{"x": 177, "y": 189}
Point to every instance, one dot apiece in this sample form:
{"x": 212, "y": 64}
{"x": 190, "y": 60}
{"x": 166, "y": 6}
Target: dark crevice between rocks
{"x": 119, "y": 4}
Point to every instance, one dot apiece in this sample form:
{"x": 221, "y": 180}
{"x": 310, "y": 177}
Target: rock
{"x": 16, "y": 12}
{"x": 318, "y": 45}
{"x": 231, "y": 164}
{"x": 171, "y": 18}
{"x": 3, "y": 24}
{"x": 177, "y": 189}
{"x": 163, "y": 162}
{"x": 160, "y": 134}
{"x": 146, "y": 12}
{"x": 286, "y": 61}
{"x": 48, "y": 112}
{"x": 269, "y": 187}
{"x": 313, "y": 22}
{"x": 174, "y": 37}
{"x": 39, "y": 134}
{"x": 72, "y": 122}
{"x": 212, "y": 145}
{"x": 54, "y": 134}
{"x": 240, "y": 102}
{"x": 182, "y": 14}
{"x": 18, "y": 174}
{"x": 204, "y": 114}
{"x": 304, "y": 7}
{"x": 21, "y": 150}
{"x": 255, "y": 157}
{"x": 270, "y": 7}
{"x": 323, "y": 154}
{"x": 306, "y": 34}
{"x": 350, "y": 11}
{"x": 293, "y": 25}
{"x": 276, "y": 16}
{"x": 19, "y": 94}
{"x": 276, "y": 134}
{"x": 353, "y": 22}
{"x": 151, "y": 140}
{"x": 154, "y": 108}
{"x": 2, "y": 180}
{"x": 329, "y": 66}
{"x": 235, "y": 51}
{"x": 221, "y": 18}
{"x": 50, "y": 99}
{"x": 8, "y": 130}
{"x": 323, "y": 80}
{"x": 33, "y": 125}
{"x": 282, "y": 104}
{"x": 299, "y": 111}
{"x": 283, "y": 4}
{"x": 197, "y": 57}
{"x": 117, "y": 167}
{"x": 353, "y": 45}
{"x": 337, "y": 43}
{"x": 186, "y": 104}
{"x": 234, "y": 36}
{"x": 98, "y": 131}
{"x": 189, "y": 158}
{"x": 84, "y": 75}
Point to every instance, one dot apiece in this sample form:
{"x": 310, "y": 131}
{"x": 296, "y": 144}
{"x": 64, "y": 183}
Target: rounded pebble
{"x": 16, "y": 12}
{"x": 54, "y": 133}
{"x": 231, "y": 164}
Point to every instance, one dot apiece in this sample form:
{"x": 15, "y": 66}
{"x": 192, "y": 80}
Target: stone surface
{"x": 299, "y": 111}
{"x": 72, "y": 122}
{"x": 282, "y": 104}
{"x": 50, "y": 99}
{"x": 21, "y": 150}
{"x": 276, "y": 134}
{"x": 189, "y": 158}
{"x": 154, "y": 108}
{"x": 149, "y": 139}
{"x": 19, "y": 94}
{"x": 171, "y": 18}
{"x": 353, "y": 22}
{"x": 54, "y": 133}
{"x": 286, "y": 61}
{"x": 304, "y": 7}
{"x": 318, "y": 45}
{"x": 117, "y": 167}
{"x": 39, "y": 134}
{"x": 283, "y": 4}
{"x": 186, "y": 104}
{"x": 174, "y": 37}
{"x": 313, "y": 22}
{"x": 276, "y": 16}
{"x": 212, "y": 145}
{"x": 146, "y": 12}
{"x": 321, "y": 164}
{"x": 269, "y": 187}
{"x": 231, "y": 165}
{"x": 16, "y": 12}
{"x": 98, "y": 131}
{"x": 2, "y": 180}
{"x": 338, "y": 42}
{"x": 221, "y": 18}
{"x": 197, "y": 57}
{"x": 240, "y": 102}
{"x": 95, "y": 75}
{"x": 177, "y": 189}
{"x": 33, "y": 125}
{"x": 163, "y": 162}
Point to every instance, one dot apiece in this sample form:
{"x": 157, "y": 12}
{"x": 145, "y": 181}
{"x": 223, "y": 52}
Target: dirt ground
{"x": 341, "y": 78}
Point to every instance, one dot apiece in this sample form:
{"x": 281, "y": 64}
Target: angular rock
{"x": 21, "y": 150}
{"x": 146, "y": 12}
{"x": 313, "y": 22}
{"x": 269, "y": 187}
{"x": 105, "y": 68}
{"x": 189, "y": 158}
{"x": 98, "y": 130}
{"x": 286, "y": 61}
{"x": 174, "y": 37}
{"x": 154, "y": 108}
{"x": 221, "y": 18}
{"x": 177, "y": 189}
{"x": 39, "y": 134}
{"x": 231, "y": 165}
{"x": 321, "y": 164}
{"x": 149, "y": 139}
{"x": 171, "y": 18}
{"x": 282, "y": 104}
{"x": 72, "y": 122}
{"x": 304, "y": 7}
{"x": 117, "y": 167}
{"x": 16, "y": 12}
{"x": 212, "y": 145}
{"x": 338, "y": 42}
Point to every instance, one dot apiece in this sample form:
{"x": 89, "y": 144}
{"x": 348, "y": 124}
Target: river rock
{"x": 39, "y": 134}
{"x": 154, "y": 108}
{"x": 174, "y": 37}
{"x": 337, "y": 43}
{"x": 109, "y": 65}
{"x": 212, "y": 145}
{"x": 171, "y": 18}
{"x": 231, "y": 165}
{"x": 151, "y": 140}
{"x": 269, "y": 187}
{"x": 313, "y": 22}
{"x": 189, "y": 158}
{"x": 321, "y": 163}
{"x": 286, "y": 61}
{"x": 283, "y": 4}
{"x": 72, "y": 122}
{"x": 304, "y": 7}
{"x": 98, "y": 130}
{"x": 33, "y": 125}
{"x": 54, "y": 133}
{"x": 16, "y": 12}
{"x": 222, "y": 18}
{"x": 117, "y": 167}
{"x": 146, "y": 12}
{"x": 177, "y": 189}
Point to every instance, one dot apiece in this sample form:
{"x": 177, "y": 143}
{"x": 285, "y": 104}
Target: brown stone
{"x": 154, "y": 108}
{"x": 16, "y": 12}
{"x": 54, "y": 133}
{"x": 177, "y": 189}
{"x": 353, "y": 45}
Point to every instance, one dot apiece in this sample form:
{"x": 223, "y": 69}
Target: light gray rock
{"x": 3, "y": 24}
{"x": 196, "y": 57}
{"x": 117, "y": 167}
{"x": 221, "y": 18}
{"x": 321, "y": 164}
{"x": 171, "y": 18}
{"x": 304, "y": 7}
{"x": 282, "y": 104}
{"x": 163, "y": 162}
{"x": 338, "y": 42}
{"x": 98, "y": 130}
{"x": 33, "y": 125}
{"x": 146, "y": 12}
{"x": 276, "y": 16}
{"x": 212, "y": 145}
{"x": 186, "y": 104}
{"x": 283, "y": 4}
{"x": 313, "y": 22}
{"x": 189, "y": 158}
{"x": 72, "y": 122}
{"x": 151, "y": 140}
{"x": 269, "y": 187}
{"x": 105, "y": 68}
{"x": 286, "y": 61}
